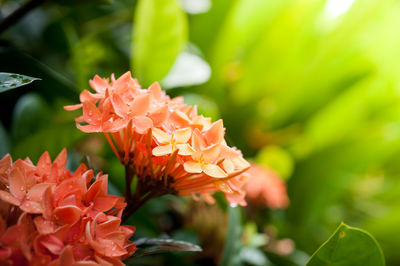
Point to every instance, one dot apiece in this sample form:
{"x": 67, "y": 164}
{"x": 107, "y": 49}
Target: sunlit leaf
{"x": 10, "y": 81}
{"x": 147, "y": 246}
{"x": 348, "y": 246}
{"x": 159, "y": 35}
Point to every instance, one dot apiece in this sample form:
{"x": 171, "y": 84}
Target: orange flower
{"x": 161, "y": 141}
{"x": 45, "y": 213}
{"x": 266, "y": 188}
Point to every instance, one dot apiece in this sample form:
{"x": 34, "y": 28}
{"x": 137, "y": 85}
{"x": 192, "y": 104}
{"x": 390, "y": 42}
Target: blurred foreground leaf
{"x": 159, "y": 35}
{"x": 147, "y": 246}
{"x": 231, "y": 255}
{"x": 348, "y": 246}
{"x": 9, "y": 81}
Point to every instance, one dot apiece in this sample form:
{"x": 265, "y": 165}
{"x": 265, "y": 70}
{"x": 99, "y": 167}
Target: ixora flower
{"x": 50, "y": 216}
{"x": 162, "y": 141}
{"x": 266, "y": 188}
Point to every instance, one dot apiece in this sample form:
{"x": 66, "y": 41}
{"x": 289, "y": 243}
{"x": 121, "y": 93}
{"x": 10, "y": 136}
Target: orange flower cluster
{"x": 161, "y": 140}
{"x": 266, "y": 188}
{"x": 50, "y": 216}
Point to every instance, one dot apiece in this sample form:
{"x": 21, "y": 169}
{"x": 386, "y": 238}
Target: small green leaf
{"x": 159, "y": 35}
{"x": 348, "y": 246}
{"x": 147, "y": 246}
{"x": 9, "y": 81}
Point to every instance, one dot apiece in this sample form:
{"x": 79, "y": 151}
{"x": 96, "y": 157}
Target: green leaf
{"x": 9, "y": 81}
{"x": 231, "y": 255}
{"x": 348, "y": 246}
{"x": 159, "y": 35}
{"x": 147, "y": 246}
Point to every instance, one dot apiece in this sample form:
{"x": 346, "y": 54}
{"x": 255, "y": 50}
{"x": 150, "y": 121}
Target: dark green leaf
{"x": 30, "y": 114}
{"x": 4, "y": 141}
{"x": 159, "y": 35}
{"x": 147, "y": 246}
{"x": 9, "y": 81}
{"x": 348, "y": 246}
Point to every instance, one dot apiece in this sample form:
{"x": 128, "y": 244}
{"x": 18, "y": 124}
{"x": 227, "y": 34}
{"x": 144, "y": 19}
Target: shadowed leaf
{"x": 9, "y": 81}
{"x": 147, "y": 246}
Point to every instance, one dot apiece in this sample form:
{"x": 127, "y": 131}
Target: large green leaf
{"x": 348, "y": 246}
{"x": 159, "y": 35}
{"x": 10, "y": 81}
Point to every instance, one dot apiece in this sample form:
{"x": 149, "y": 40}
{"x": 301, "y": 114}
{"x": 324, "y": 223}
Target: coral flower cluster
{"x": 50, "y": 216}
{"x": 162, "y": 141}
{"x": 266, "y": 188}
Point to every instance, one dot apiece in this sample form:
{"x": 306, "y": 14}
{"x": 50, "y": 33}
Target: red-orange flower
{"x": 266, "y": 188}
{"x": 50, "y": 216}
{"x": 162, "y": 141}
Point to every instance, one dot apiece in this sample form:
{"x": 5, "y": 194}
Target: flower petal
{"x": 215, "y": 133}
{"x": 192, "y": 167}
{"x": 159, "y": 115}
{"x": 17, "y": 184}
{"x": 161, "y": 136}
{"x": 120, "y": 107}
{"x": 36, "y": 192}
{"x": 66, "y": 257}
{"x": 142, "y": 124}
{"x": 31, "y": 207}
{"x": 104, "y": 203}
{"x": 211, "y": 153}
{"x": 91, "y": 113}
{"x": 185, "y": 149}
{"x": 73, "y": 107}
{"x": 182, "y": 135}
{"x": 162, "y": 150}
{"x": 140, "y": 104}
{"x": 155, "y": 91}
{"x": 67, "y": 214}
{"x": 214, "y": 171}
{"x": 7, "y": 197}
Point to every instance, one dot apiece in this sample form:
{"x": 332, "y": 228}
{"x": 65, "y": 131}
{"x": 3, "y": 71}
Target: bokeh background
{"x": 308, "y": 88}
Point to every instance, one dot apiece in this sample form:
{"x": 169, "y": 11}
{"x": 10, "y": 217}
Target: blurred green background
{"x": 310, "y": 88}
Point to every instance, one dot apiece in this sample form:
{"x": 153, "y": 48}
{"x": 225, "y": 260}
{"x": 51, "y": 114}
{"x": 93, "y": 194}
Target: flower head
{"x": 163, "y": 141}
{"x": 266, "y": 188}
{"x": 52, "y": 216}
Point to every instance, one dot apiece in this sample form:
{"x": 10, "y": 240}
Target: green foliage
{"x": 348, "y": 246}
{"x": 159, "y": 35}
{"x": 9, "y": 81}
